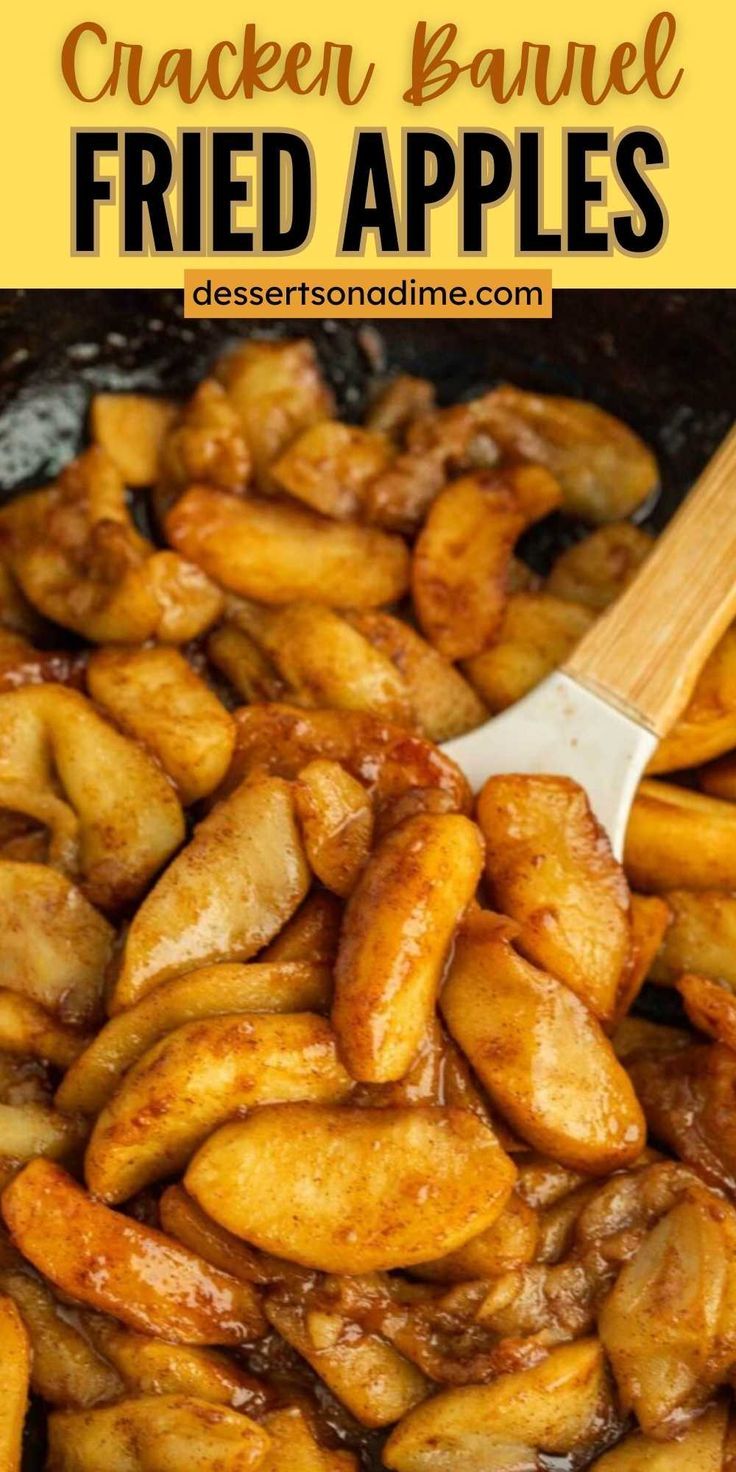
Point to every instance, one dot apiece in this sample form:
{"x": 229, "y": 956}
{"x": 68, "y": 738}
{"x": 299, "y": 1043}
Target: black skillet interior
{"x": 665, "y": 361}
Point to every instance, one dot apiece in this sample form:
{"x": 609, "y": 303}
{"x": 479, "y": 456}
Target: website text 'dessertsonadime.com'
{"x": 369, "y": 293}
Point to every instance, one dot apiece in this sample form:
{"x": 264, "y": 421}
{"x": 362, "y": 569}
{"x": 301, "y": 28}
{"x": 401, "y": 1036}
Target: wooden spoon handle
{"x": 646, "y": 652}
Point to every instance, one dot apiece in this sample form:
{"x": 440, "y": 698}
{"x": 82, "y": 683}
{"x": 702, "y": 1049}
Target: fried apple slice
{"x": 28, "y": 1130}
{"x": 248, "y": 668}
{"x": 195, "y": 1079}
{"x": 155, "y": 696}
{"x": 183, "y": 1219}
{"x": 560, "y": 1406}
{"x": 700, "y": 938}
{"x": 353, "y": 1190}
{"x": 678, "y": 839}
{"x": 376, "y": 1383}
{"x": 442, "y": 703}
{"x": 536, "y": 634}
{"x": 707, "y": 726}
{"x": 277, "y": 390}
{"x": 636, "y": 1035}
{"x": 144, "y": 1365}
{"x": 54, "y": 947}
{"x": 710, "y": 1007}
{"x": 294, "y": 1449}
{"x": 687, "y": 1096}
{"x": 550, "y": 867}
{"x": 387, "y": 759}
{"x": 80, "y": 561}
{"x": 396, "y": 935}
{"x": 28, "y": 1031}
{"x": 462, "y": 555}
{"x": 700, "y": 1449}
{"x": 509, "y": 1243}
{"x": 324, "y": 661}
{"x": 542, "y": 1182}
{"x": 131, "y": 428}
{"x": 65, "y": 1369}
{"x": 250, "y": 851}
{"x": 650, "y": 918}
{"x": 121, "y": 1267}
{"x": 205, "y": 443}
{"x": 15, "y": 1364}
{"x": 156, "y": 1433}
{"x": 212, "y": 991}
{"x": 400, "y": 497}
{"x": 604, "y": 469}
{"x": 311, "y": 935}
{"x": 660, "y": 1323}
{"x": 118, "y": 820}
{"x": 596, "y": 570}
{"x": 329, "y": 465}
{"x": 336, "y": 817}
{"x": 398, "y": 403}
{"x": 279, "y": 554}
{"x": 540, "y": 1053}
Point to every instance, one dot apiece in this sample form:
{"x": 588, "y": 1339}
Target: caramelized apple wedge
{"x": 595, "y": 571}
{"x": 131, "y": 428}
{"x": 442, "y": 703}
{"x": 117, "y": 1265}
{"x": 212, "y": 991}
{"x": 562, "y": 1405}
{"x": 395, "y": 940}
{"x": 700, "y": 1449}
{"x": 54, "y": 946}
{"x": 155, "y": 696}
{"x": 65, "y": 1368}
{"x": 536, "y": 634}
{"x": 277, "y": 390}
{"x": 250, "y": 851}
{"x": 604, "y": 469}
{"x": 679, "y": 839}
{"x": 550, "y": 867}
{"x": 462, "y": 556}
{"x": 147, "y": 1365}
{"x": 353, "y": 1190}
{"x": 278, "y": 553}
{"x": 660, "y": 1325}
{"x": 701, "y": 937}
{"x": 195, "y": 1079}
{"x": 329, "y": 466}
{"x": 15, "y": 1362}
{"x": 389, "y": 760}
{"x": 80, "y": 560}
{"x": 540, "y": 1053}
{"x": 111, "y": 812}
{"x": 376, "y": 1383}
{"x": 336, "y": 816}
{"x": 156, "y": 1433}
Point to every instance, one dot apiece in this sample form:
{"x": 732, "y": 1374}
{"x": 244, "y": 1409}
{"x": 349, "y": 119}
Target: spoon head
{"x": 564, "y": 729}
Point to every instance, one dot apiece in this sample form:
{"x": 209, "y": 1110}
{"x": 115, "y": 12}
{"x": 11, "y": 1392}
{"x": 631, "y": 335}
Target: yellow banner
{"x": 140, "y": 140}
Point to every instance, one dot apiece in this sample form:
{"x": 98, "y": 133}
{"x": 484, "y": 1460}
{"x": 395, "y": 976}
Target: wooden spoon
{"x": 599, "y": 718}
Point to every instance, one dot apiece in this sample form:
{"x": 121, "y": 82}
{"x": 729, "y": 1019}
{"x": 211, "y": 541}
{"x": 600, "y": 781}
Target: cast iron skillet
{"x": 664, "y": 361}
